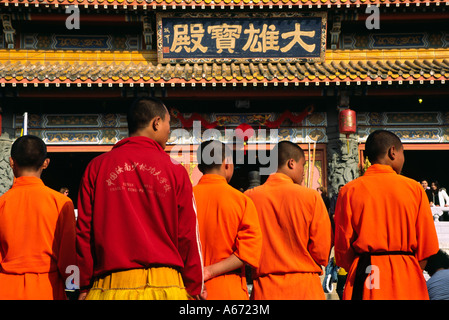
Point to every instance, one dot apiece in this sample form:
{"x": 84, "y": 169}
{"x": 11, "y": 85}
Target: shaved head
{"x": 29, "y": 152}
{"x": 379, "y": 142}
{"x": 287, "y": 150}
{"x": 142, "y": 111}
{"x": 211, "y": 154}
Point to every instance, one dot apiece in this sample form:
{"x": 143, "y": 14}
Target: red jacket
{"x": 136, "y": 210}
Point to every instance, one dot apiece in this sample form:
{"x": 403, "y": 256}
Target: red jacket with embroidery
{"x": 136, "y": 210}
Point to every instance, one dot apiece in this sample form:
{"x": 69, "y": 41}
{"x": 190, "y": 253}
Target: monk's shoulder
{"x": 413, "y": 184}
{"x": 223, "y": 194}
{"x": 5, "y": 197}
{"x": 303, "y": 190}
{"x": 356, "y": 184}
{"x": 361, "y": 183}
{"x": 234, "y": 193}
{"x": 408, "y": 180}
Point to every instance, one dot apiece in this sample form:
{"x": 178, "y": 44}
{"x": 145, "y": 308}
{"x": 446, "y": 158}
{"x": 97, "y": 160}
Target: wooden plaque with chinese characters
{"x": 265, "y": 37}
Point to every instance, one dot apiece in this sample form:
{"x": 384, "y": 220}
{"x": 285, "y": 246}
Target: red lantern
{"x": 244, "y": 131}
{"x": 347, "y": 121}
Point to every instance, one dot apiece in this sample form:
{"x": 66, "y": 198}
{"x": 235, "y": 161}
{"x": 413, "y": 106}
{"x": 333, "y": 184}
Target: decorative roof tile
{"x": 212, "y": 74}
{"x": 217, "y": 4}
{"x": 142, "y": 68}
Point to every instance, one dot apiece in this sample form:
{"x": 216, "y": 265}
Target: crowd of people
{"x": 144, "y": 232}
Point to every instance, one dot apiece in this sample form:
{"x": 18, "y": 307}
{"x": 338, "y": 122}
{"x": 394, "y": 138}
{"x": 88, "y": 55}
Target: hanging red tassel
{"x": 243, "y": 132}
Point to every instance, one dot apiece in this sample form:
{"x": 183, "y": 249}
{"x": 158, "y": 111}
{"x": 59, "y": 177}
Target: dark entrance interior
{"x": 66, "y": 170}
{"x": 430, "y": 165}
{"x": 246, "y": 176}
{"x": 247, "y": 171}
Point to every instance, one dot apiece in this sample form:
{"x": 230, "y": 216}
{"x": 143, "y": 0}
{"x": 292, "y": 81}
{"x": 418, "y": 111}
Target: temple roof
{"x": 137, "y": 68}
{"x": 218, "y": 4}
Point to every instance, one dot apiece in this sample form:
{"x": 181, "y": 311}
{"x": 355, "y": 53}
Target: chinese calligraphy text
{"x": 204, "y": 37}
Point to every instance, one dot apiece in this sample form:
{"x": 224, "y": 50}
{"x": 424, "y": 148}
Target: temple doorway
{"x": 427, "y": 164}
{"x": 66, "y": 170}
{"x": 67, "y": 165}
{"x": 247, "y": 176}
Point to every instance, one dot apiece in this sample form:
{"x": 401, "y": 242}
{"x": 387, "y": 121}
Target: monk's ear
{"x": 291, "y": 163}
{"x": 11, "y": 163}
{"x": 155, "y": 123}
{"x": 228, "y": 171}
{"x": 46, "y": 163}
{"x": 391, "y": 153}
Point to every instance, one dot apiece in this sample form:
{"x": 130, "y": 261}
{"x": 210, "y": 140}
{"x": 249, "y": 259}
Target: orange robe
{"x": 37, "y": 241}
{"x": 228, "y": 224}
{"x": 384, "y": 212}
{"x": 296, "y": 234}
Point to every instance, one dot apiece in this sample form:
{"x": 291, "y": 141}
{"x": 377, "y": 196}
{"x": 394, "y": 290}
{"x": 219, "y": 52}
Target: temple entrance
{"x": 247, "y": 176}
{"x": 66, "y": 170}
{"x": 67, "y": 167}
{"x": 423, "y": 161}
{"x": 427, "y": 164}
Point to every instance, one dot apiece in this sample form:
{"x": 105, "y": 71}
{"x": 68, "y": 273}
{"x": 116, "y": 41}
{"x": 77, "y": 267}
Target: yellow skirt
{"x": 140, "y": 284}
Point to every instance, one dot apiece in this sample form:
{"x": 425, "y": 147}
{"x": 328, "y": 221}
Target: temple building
{"x": 273, "y": 69}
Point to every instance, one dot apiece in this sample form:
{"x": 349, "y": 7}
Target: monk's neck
{"x": 217, "y": 173}
{"x": 28, "y": 173}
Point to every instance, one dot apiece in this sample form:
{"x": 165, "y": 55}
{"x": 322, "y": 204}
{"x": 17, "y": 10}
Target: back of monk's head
{"x": 211, "y": 154}
{"x": 29, "y": 152}
{"x": 142, "y": 111}
{"x": 379, "y": 142}
{"x": 286, "y": 150}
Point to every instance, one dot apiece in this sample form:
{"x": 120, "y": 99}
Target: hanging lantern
{"x": 244, "y": 131}
{"x": 347, "y": 121}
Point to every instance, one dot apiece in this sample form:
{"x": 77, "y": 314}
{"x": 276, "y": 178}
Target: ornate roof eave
{"x": 141, "y": 69}
{"x": 178, "y": 83}
{"x": 220, "y": 4}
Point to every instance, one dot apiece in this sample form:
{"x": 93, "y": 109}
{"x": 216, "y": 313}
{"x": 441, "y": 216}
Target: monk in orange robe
{"x": 384, "y": 230}
{"x": 228, "y": 224}
{"x": 296, "y": 231}
{"x": 37, "y": 230}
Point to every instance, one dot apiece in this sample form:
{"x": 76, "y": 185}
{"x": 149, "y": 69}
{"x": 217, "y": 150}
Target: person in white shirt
{"x": 439, "y": 195}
